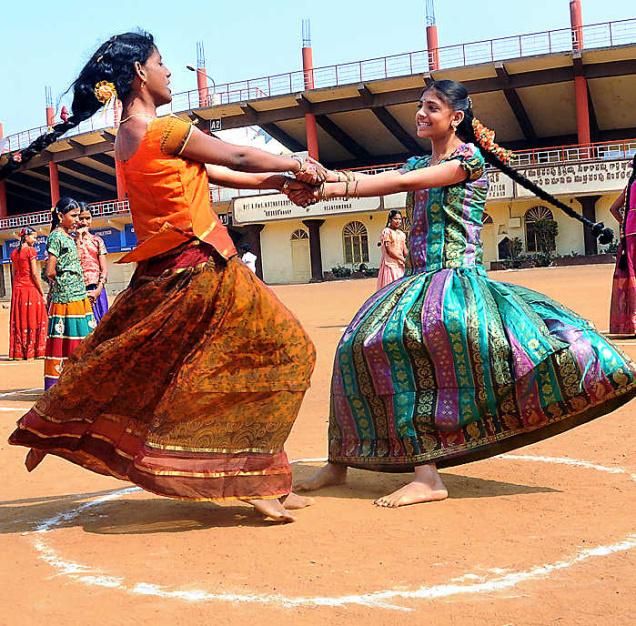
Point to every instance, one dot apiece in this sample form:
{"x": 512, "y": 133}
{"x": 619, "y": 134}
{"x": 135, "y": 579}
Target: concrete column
{"x": 252, "y": 236}
{"x": 580, "y": 82}
{"x": 202, "y": 77}
{"x": 120, "y": 179}
{"x": 589, "y": 210}
{"x": 432, "y": 40}
{"x": 315, "y": 252}
{"x": 311, "y": 129}
{"x": 432, "y": 45}
{"x": 54, "y": 179}
{"x": 4, "y": 209}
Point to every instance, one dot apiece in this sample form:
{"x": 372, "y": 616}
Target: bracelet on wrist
{"x": 300, "y": 161}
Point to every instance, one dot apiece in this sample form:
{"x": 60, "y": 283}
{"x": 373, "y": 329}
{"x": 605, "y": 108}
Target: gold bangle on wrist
{"x": 300, "y": 161}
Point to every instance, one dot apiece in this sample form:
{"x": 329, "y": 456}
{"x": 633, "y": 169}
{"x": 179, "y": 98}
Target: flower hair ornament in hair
{"x": 105, "y": 91}
{"x": 486, "y": 139}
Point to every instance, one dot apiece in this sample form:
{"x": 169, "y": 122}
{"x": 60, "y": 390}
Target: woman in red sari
{"x": 28, "y": 321}
{"x": 623, "y": 306}
{"x": 190, "y": 385}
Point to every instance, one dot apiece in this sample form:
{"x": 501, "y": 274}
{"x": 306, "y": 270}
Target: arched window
{"x": 486, "y": 219}
{"x": 356, "y": 243}
{"x": 540, "y": 229}
{"x": 299, "y": 234}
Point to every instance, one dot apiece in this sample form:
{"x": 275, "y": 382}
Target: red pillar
{"x": 308, "y": 73}
{"x": 120, "y": 180}
{"x": 4, "y": 210}
{"x": 202, "y": 77}
{"x": 202, "y": 86}
{"x": 580, "y": 82}
{"x": 54, "y": 179}
{"x": 432, "y": 44}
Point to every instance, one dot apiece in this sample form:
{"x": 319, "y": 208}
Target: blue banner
{"x": 111, "y": 237}
{"x": 10, "y": 245}
{"x": 115, "y": 241}
{"x": 130, "y": 239}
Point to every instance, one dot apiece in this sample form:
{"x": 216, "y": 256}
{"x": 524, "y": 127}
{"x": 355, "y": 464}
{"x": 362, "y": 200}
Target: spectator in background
{"x": 394, "y": 251}
{"x": 92, "y": 253}
{"x": 248, "y": 257}
{"x": 28, "y": 319}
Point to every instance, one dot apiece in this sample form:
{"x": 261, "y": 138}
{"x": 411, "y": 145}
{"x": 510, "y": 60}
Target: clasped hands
{"x": 307, "y": 186}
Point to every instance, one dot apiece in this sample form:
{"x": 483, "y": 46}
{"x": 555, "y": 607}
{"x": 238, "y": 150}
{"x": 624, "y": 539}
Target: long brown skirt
{"x": 188, "y": 387}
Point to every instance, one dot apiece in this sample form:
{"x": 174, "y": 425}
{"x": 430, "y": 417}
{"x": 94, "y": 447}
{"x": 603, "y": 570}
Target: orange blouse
{"x": 169, "y": 196}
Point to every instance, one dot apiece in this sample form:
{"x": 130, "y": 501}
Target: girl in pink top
{"x": 623, "y": 307}
{"x": 394, "y": 251}
{"x": 92, "y": 253}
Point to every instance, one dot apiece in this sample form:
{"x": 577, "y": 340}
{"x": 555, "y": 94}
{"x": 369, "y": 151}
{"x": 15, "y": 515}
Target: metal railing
{"x": 606, "y": 151}
{"x": 583, "y": 152}
{"x": 594, "y": 36}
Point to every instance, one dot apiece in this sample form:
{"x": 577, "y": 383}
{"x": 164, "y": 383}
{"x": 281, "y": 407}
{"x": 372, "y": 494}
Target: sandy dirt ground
{"x": 530, "y": 538}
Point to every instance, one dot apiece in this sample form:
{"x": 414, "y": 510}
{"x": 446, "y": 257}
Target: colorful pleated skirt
{"x": 623, "y": 304}
{"x": 69, "y": 324}
{"x": 450, "y": 367}
{"x": 188, "y": 388}
{"x": 27, "y": 324}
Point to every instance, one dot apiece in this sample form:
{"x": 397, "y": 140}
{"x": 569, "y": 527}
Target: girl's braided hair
{"x": 113, "y": 64}
{"x": 472, "y": 131}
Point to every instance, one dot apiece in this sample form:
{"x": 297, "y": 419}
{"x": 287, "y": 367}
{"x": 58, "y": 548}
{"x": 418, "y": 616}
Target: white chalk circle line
{"x": 386, "y": 599}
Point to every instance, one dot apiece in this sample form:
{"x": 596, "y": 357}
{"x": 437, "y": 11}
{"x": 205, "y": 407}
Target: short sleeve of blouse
{"x": 32, "y": 253}
{"x": 54, "y": 244}
{"x": 387, "y": 235}
{"x": 101, "y": 245}
{"x": 175, "y": 134}
{"x": 471, "y": 160}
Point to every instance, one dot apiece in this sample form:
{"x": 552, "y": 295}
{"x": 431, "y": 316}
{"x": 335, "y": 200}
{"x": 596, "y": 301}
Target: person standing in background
{"x": 248, "y": 257}
{"x": 92, "y": 254}
{"x": 27, "y": 324}
{"x": 394, "y": 251}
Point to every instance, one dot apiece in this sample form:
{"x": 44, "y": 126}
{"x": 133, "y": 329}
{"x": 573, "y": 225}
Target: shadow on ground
{"x": 372, "y": 485}
{"x": 147, "y": 515}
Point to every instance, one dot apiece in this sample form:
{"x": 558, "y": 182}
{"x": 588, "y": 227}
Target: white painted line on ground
{"x": 500, "y": 581}
{"x": 19, "y": 391}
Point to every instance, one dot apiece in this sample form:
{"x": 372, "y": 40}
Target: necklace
{"x": 437, "y": 161}
{"x": 144, "y": 115}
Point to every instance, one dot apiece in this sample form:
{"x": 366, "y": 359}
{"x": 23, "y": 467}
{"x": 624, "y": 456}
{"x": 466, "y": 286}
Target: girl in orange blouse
{"x": 190, "y": 386}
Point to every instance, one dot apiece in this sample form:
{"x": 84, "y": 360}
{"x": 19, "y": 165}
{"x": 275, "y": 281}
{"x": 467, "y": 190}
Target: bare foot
{"x": 326, "y": 476}
{"x": 272, "y": 509}
{"x": 427, "y": 487}
{"x": 293, "y": 502}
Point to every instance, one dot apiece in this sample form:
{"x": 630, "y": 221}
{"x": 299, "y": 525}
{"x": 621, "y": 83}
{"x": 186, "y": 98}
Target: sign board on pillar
{"x": 500, "y": 186}
{"x": 216, "y": 125}
{"x": 225, "y": 219}
{"x": 255, "y": 209}
{"x": 577, "y": 178}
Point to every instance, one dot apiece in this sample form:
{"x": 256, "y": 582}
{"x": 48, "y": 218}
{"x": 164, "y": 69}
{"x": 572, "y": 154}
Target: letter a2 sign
{"x": 215, "y": 126}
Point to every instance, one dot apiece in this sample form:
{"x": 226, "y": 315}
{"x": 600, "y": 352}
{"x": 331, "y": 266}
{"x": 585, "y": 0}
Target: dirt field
{"x": 531, "y": 538}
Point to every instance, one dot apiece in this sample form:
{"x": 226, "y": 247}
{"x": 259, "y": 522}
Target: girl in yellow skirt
{"x": 190, "y": 385}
